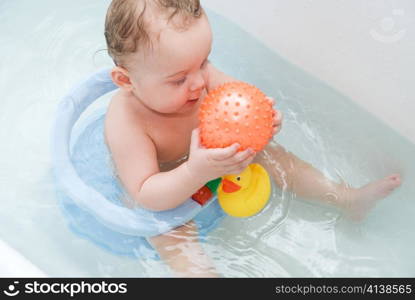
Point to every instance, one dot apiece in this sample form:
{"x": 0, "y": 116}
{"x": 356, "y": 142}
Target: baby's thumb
{"x": 195, "y": 139}
{"x": 270, "y": 99}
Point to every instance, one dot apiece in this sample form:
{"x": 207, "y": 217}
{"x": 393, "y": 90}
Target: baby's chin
{"x": 188, "y": 107}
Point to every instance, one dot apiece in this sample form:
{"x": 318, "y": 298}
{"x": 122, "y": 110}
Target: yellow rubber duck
{"x": 245, "y": 194}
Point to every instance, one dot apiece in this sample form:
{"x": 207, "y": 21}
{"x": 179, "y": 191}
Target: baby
{"x": 161, "y": 49}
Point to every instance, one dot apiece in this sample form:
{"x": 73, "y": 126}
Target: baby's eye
{"x": 179, "y": 82}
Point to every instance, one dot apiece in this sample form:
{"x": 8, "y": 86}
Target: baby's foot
{"x": 362, "y": 200}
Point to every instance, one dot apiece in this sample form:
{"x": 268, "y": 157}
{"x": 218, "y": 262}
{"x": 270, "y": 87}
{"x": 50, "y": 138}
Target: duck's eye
{"x": 238, "y": 178}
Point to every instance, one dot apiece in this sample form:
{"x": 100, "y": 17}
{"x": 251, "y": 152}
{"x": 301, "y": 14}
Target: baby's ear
{"x": 120, "y": 77}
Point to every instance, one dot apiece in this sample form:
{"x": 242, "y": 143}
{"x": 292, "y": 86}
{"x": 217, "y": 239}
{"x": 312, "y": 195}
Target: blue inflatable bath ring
{"x": 88, "y": 190}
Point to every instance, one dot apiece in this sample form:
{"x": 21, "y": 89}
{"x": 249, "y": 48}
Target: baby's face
{"x": 172, "y": 76}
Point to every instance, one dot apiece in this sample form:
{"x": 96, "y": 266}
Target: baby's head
{"x": 160, "y": 49}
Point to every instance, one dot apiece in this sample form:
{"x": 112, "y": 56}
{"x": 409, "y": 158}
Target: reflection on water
{"x": 45, "y": 51}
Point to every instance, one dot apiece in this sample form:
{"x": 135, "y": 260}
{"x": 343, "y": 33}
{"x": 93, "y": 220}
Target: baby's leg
{"x": 303, "y": 179}
{"x": 181, "y": 250}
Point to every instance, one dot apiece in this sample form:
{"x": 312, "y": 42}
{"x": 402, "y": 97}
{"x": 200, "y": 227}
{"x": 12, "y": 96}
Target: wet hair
{"x": 127, "y": 27}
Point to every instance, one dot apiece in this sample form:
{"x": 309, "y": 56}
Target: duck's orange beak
{"x": 229, "y": 186}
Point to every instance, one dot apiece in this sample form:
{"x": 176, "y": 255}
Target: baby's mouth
{"x": 193, "y": 100}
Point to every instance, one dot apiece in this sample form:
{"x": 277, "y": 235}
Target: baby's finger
{"x": 223, "y": 153}
{"x": 238, "y": 168}
{"x": 270, "y": 99}
{"x": 239, "y": 157}
{"x": 277, "y": 122}
{"x": 247, "y": 161}
{"x": 276, "y": 129}
{"x": 277, "y": 116}
{"x": 194, "y": 139}
{"x": 280, "y": 116}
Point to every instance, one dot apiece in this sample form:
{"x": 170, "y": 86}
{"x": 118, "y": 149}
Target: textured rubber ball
{"x": 236, "y": 112}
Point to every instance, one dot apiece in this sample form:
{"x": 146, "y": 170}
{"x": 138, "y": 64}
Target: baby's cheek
{"x": 180, "y": 98}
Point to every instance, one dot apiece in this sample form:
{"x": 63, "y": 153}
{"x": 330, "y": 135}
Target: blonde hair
{"x": 126, "y": 28}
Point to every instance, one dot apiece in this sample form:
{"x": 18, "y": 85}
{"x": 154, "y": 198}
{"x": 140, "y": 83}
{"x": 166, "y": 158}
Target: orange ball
{"x": 236, "y": 112}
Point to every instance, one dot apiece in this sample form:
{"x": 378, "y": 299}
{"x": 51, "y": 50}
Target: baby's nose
{"x": 198, "y": 83}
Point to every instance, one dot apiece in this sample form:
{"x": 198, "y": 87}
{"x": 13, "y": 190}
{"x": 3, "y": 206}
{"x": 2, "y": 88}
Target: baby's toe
{"x": 393, "y": 181}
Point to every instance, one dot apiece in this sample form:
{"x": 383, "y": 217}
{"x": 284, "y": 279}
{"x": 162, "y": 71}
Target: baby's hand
{"x": 277, "y": 117}
{"x": 207, "y": 164}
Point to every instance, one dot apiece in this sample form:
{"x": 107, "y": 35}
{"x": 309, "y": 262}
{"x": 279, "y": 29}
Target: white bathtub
{"x": 362, "y": 48}
{"x": 13, "y": 264}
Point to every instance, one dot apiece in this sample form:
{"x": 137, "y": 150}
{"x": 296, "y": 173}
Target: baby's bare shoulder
{"x": 133, "y": 151}
{"x": 122, "y": 124}
{"x": 120, "y": 115}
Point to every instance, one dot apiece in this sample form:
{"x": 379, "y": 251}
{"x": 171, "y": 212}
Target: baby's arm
{"x": 135, "y": 159}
